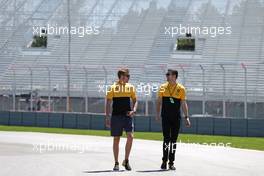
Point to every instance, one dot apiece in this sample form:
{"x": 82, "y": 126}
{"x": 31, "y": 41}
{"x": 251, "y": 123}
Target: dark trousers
{"x": 170, "y": 129}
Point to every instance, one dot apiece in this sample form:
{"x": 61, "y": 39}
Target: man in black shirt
{"x": 171, "y": 97}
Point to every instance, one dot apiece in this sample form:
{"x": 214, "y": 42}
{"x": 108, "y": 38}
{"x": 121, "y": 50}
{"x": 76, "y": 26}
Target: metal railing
{"x": 44, "y": 88}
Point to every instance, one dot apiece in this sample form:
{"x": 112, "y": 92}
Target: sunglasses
{"x": 168, "y": 74}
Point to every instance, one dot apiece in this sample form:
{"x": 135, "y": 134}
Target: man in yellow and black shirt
{"x": 171, "y": 97}
{"x": 120, "y": 95}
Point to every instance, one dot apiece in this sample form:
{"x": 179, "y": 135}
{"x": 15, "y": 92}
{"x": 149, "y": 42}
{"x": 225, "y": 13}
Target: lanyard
{"x": 171, "y": 99}
{"x": 171, "y": 93}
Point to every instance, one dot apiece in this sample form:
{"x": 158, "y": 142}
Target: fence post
{"x": 245, "y": 89}
{"x": 68, "y": 106}
{"x": 31, "y": 88}
{"x": 49, "y": 87}
{"x": 224, "y": 90}
{"x": 14, "y": 89}
{"x": 86, "y": 89}
{"x": 68, "y": 103}
{"x": 105, "y": 74}
{"x": 203, "y": 80}
{"x": 146, "y": 106}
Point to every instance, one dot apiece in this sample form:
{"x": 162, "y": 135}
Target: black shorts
{"x": 120, "y": 123}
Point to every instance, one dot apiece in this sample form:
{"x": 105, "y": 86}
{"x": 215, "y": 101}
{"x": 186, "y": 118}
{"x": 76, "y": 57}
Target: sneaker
{"x": 116, "y": 167}
{"x": 172, "y": 167}
{"x": 126, "y": 165}
{"x": 164, "y": 165}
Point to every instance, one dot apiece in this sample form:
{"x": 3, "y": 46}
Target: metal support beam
{"x": 146, "y": 106}
{"x": 49, "y": 88}
{"x": 14, "y": 89}
{"x": 245, "y": 89}
{"x": 31, "y": 89}
{"x": 203, "y": 81}
{"x": 86, "y": 89}
{"x": 67, "y": 69}
{"x": 224, "y": 90}
{"x": 68, "y": 108}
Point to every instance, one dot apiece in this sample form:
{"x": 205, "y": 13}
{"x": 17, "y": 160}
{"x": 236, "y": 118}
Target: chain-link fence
{"x": 212, "y": 90}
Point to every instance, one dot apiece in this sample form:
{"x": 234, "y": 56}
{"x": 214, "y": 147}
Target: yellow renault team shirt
{"x": 171, "y": 95}
{"x": 121, "y": 94}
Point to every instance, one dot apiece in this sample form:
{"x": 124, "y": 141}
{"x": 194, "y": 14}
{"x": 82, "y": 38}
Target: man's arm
{"x": 108, "y": 103}
{"x": 186, "y": 113}
{"x": 158, "y": 107}
{"x": 133, "y": 97}
{"x": 159, "y": 102}
{"x": 185, "y": 108}
{"x": 134, "y": 107}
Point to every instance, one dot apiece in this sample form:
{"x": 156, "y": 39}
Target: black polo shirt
{"x": 121, "y": 94}
{"x": 171, "y": 95}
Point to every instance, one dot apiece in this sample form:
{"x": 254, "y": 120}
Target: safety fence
{"x": 200, "y": 125}
{"x": 226, "y": 90}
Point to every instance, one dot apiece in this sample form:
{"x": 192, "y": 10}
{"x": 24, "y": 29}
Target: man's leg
{"x": 129, "y": 128}
{"x": 128, "y": 144}
{"x": 116, "y": 147}
{"x": 166, "y": 138}
{"x": 175, "y": 127}
{"x": 116, "y": 132}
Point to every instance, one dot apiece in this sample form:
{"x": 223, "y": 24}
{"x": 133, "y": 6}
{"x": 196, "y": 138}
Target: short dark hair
{"x": 122, "y": 72}
{"x": 173, "y": 72}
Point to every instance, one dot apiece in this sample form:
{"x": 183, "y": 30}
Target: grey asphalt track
{"x": 39, "y": 154}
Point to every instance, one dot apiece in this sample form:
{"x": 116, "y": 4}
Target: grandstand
{"x": 225, "y": 69}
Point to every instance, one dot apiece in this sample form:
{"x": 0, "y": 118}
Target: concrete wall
{"x": 209, "y": 126}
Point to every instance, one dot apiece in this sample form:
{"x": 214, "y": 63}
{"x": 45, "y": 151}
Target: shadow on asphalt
{"x": 101, "y": 171}
{"x": 158, "y": 170}
{"x": 106, "y": 171}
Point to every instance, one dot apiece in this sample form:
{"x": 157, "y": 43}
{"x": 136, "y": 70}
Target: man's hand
{"x": 107, "y": 122}
{"x": 187, "y": 122}
{"x": 130, "y": 113}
